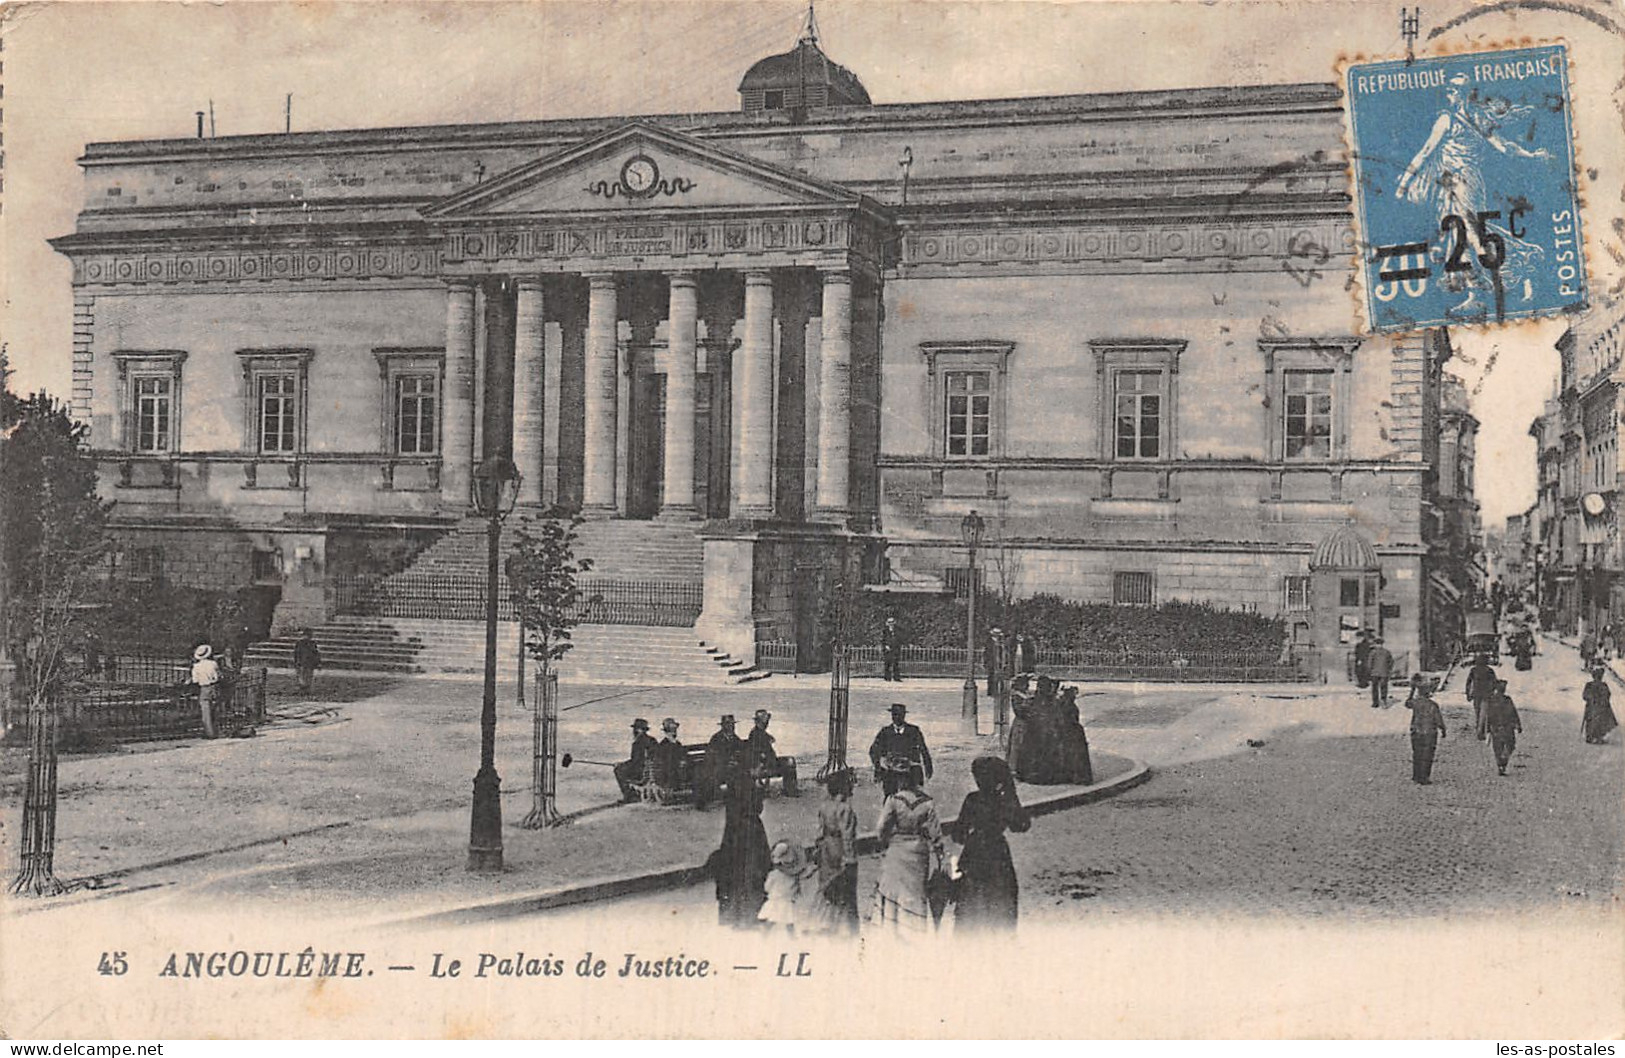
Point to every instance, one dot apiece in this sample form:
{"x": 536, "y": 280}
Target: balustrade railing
{"x": 1172, "y": 666}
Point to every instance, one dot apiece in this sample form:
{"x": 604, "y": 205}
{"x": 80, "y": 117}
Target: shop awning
{"x": 1443, "y": 586}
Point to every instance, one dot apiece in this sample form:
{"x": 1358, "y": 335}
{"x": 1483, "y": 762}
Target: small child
{"x": 784, "y": 887}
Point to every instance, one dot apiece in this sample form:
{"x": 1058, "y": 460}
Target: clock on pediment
{"x": 640, "y": 178}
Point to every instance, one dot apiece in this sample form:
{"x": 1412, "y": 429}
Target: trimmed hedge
{"x": 173, "y": 618}
{"x": 1060, "y": 624}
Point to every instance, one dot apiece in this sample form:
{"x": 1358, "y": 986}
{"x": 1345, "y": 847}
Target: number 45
{"x": 112, "y": 964}
{"x": 1488, "y": 247}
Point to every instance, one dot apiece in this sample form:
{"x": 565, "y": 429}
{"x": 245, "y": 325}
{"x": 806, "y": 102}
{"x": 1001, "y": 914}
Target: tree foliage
{"x": 55, "y": 541}
{"x": 542, "y": 570}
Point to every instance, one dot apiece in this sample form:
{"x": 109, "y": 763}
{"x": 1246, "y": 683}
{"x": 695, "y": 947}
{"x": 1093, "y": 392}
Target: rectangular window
{"x": 957, "y": 578}
{"x": 969, "y": 413}
{"x": 279, "y": 412}
{"x": 1139, "y": 414}
{"x": 144, "y": 563}
{"x": 1349, "y": 592}
{"x": 267, "y": 565}
{"x": 1295, "y": 594}
{"x": 415, "y": 414}
{"x": 154, "y": 396}
{"x": 1131, "y": 589}
{"x": 1308, "y": 414}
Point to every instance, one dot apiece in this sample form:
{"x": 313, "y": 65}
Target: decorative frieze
{"x": 654, "y": 237}
{"x": 1320, "y": 243}
{"x": 216, "y": 266}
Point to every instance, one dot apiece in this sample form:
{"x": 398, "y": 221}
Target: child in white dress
{"x": 784, "y": 887}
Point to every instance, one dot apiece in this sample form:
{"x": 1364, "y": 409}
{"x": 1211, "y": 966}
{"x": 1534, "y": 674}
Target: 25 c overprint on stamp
{"x": 1465, "y": 188}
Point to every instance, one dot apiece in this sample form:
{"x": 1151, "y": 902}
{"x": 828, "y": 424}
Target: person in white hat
{"x": 206, "y": 674}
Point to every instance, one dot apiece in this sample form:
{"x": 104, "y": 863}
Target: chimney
{"x": 200, "y": 124}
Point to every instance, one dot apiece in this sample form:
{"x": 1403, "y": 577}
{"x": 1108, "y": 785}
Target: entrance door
{"x": 648, "y": 446}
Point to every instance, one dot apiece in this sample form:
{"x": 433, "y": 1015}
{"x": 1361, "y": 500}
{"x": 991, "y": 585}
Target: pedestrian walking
{"x": 993, "y": 658}
{"x": 206, "y": 674}
{"x": 988, "y": 890}
{"x": 911, "y": 835}
{"x": 899, "y": 748}
{"x": 1427, "y": 727}
{"x": 785, "y": 896}
{"x": 891, "y": 650}
{"x": 836, "y": 852}
{"x": 1026, "y": 653}
{"x": 1481, "y": 680}
{"x": 1588, "y": 650}
{"x": 740, "y": 864}
{"x": 1502, "y": 720}
{"x": 307, "y": 658}
{"x": 1599, "y": 717}
{"x": 1362, "y": 659}
{"x": 1381, "y": 666}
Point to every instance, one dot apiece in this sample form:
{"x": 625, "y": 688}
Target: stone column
{"x": 681, "y": 344}
{"x": 835, "y": 397}
{"x": 529, "y": 387}
{"x": 598, "y": 493}
{"x": 753, "y": 447}
{"x": 457, "y": 419}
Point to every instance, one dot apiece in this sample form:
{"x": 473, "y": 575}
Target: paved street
{"x": 1322, "y": 818}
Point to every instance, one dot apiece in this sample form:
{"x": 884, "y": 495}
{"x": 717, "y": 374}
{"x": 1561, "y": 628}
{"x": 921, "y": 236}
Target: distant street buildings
{"x": 1573, "y": 552}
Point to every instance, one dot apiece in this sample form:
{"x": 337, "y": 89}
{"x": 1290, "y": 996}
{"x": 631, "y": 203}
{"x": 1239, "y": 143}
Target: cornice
{"x": 1197, "y": 103}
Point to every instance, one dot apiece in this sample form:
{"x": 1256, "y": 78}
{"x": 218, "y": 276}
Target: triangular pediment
{"x": 639, "y": 168}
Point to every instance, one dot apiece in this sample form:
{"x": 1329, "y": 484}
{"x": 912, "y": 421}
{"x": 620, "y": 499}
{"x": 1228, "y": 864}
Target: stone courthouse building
{"x": 797, "y": 342}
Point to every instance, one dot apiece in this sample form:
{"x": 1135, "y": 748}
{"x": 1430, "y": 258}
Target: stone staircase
{"x": 620, "y": 551}
{"x": 623, "y": 550}
{"x": 636, "y": 654}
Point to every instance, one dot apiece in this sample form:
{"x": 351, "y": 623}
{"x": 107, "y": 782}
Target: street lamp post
{"x": 971, "y": 529}
{"x": 496, "y": 487}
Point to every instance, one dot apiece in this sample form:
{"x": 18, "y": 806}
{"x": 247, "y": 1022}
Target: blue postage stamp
{"x": 1464, "y": 183}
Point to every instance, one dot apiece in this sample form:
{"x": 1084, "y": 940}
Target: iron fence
{"x": 140, "y": 668}
{"x": 1161, "y": 666}
{"x": 444, "y": 597}
{"x": 97, "y": 712}
{"x": 777, "y": 655}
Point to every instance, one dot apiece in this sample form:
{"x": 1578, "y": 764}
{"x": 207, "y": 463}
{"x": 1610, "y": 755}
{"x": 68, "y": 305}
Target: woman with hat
{"x": 206, "y": 674}
{"x": 987, "y": 891}
{"x": 1599, "y": 713}
{"x": 740, "y": 865}
{"x": 911, "y": 835}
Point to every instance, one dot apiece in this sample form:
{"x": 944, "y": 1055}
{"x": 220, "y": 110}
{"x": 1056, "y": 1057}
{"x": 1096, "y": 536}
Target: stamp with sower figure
{"x": 1465, "y": 188}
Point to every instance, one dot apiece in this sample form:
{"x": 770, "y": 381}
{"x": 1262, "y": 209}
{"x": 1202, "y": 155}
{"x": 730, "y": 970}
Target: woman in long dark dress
{"x": 988, "y": 888}
{"x": 1599, "y": 715}
{"x": 1078, "y": 768}
{"x": 742, "y": 862}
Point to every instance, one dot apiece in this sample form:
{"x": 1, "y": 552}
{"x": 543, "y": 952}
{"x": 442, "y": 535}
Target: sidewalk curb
{"x": 683, "y": 877}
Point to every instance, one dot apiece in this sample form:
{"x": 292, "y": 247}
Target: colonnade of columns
{"x": 753, "y": 388}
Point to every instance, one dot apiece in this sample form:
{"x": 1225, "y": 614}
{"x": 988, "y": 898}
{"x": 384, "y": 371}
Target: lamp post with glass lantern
{"x": 496, "y": 488}
{"x": 971, "y": 530}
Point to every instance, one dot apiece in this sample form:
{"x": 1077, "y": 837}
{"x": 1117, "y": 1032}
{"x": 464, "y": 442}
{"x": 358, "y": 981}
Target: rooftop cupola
{"x": 800, "y": 79}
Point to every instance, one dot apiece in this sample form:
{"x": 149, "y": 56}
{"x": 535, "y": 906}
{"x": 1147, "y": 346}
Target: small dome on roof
{"x": 1345, "y": 549}
{"x": 801, "y": 77}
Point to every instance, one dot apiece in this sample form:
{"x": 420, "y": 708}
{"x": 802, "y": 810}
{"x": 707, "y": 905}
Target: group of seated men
{"x": 666, "y": 765}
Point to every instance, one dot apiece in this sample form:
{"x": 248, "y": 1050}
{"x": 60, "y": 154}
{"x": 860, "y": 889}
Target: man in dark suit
{"x": 891, "y": 649}
{"x": 1481, "y": 680}
{"x": 763, "y": 759}
{"x": 722, "y": 756}
{"x": 901, "y": 745}
{"x": 634, "y": 769}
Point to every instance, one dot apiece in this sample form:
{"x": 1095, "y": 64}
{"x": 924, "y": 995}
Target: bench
{"x": 682, "y": 790}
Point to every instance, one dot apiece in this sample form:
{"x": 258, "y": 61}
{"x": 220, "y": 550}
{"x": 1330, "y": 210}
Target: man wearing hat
{"x": 635, "y": 768}
{"x": 722, "y": 756}
{"x": 668, "y": 756}
{"x": 1427, "y": 728}
{"x": 206, "y": 674}
{"x": 891, "y": 650}
{"x": 763, "y": 760}
{"x": 899, "y": 747}
{"x": 1381, "y": 663}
